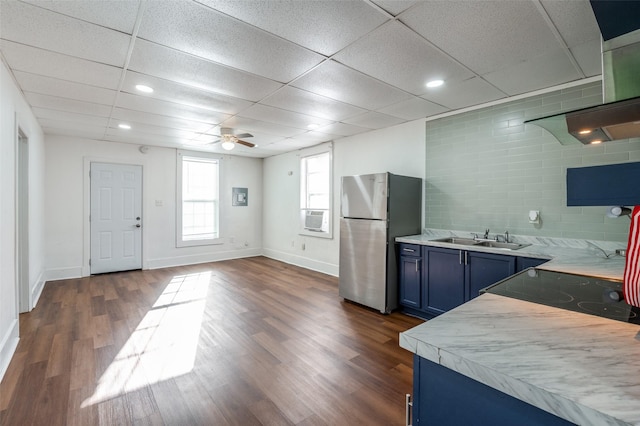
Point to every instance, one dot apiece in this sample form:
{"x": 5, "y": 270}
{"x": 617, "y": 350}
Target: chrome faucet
{"x": 486, "y": 234}
{"x": 505, "y": 237}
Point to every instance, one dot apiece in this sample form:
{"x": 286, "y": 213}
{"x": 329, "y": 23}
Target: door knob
{"x": 137, "y": 225}
{"x": 138, "y": 218}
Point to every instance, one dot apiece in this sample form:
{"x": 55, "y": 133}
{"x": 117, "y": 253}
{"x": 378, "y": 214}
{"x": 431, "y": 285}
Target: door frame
{"x": 86, "y": 208}
{"x": 24, "y": 300}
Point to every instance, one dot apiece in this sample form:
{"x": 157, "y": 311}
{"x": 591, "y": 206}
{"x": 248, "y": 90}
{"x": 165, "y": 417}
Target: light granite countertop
{"x": 583, "y": 368}
{"x": 565, "y": 255}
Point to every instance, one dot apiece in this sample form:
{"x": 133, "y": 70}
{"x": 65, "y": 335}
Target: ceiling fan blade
{"x": 249, "y": 144}
{"x": 244, "y": 135}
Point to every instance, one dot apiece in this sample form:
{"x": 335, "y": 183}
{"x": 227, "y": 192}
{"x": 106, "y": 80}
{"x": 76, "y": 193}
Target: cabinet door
{"x": 410, "y": 281}
{"x": 523, "y": 263}
{"x": 484, "y": 269}
{"x": 443, "y": 280}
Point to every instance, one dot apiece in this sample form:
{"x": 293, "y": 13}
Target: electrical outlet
{"x": 232, "y": 240}
{"x": 303, "y": 246}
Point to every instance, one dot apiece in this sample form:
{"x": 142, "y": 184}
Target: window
{"x": 315, "y": 194}
{"x": 198, "y": 199}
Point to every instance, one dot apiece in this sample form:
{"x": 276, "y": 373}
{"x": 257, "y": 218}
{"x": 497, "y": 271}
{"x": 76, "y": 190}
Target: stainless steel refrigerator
{"x": 374, "y": 210}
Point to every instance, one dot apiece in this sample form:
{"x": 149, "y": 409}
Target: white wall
{"x": 399, "y": 150}
{"x": 14, "y": 109}
{"x": 67, "y": 201}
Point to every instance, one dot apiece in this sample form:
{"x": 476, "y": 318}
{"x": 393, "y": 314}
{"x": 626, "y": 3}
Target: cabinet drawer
{"x": 410, "y": 250}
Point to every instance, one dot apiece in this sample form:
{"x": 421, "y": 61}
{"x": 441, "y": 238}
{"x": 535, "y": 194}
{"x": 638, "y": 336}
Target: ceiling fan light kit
{"x": 229, "y": 140}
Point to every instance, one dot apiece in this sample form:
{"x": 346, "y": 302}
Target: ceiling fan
{"x": 229, "y": 140}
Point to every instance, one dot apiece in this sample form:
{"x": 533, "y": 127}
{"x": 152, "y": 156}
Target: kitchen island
{"x": 579, "y": 367}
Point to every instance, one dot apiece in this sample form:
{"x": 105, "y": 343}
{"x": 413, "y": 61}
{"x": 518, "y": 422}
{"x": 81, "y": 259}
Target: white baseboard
{"x": 63, "y": 273}
{"x": 303, "y": 262}
{"x": 8, "y": 346}
{"x": 37, "y": 290}
{"x": 200, "y": 258}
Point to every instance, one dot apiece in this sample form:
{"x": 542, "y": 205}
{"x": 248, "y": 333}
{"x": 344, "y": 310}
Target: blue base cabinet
{"x": 523, "y": 263}
{"x": 410, "y": 275}
{"x": 444, "y": 397}
{"x": 434, "y": 280}
{"x": 451, "y": 277}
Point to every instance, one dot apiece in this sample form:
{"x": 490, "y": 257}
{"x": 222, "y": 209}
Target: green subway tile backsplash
{"x": 486, "y": 169}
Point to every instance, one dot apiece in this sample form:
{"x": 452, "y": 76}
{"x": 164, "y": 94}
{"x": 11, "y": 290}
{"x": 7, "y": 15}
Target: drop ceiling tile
{"x": 342, "y": 129}
{"x": 27, "y": 24}
{"x": 377, "y": 54}
{"x": 71, "y": 125}
{"x": 118, "y": 15}
{"x": 334, "y": 24}
{"x": 543, "y": 71}
{"x": 64, "y": 89}
{"x": 208, "y": 34}
{"x": 281, "y": 116}
{"x": 413, "y": 109}
{"x": 473, "y": 91}
{"x": 574, "y": 20}
{"x": 341, "y": 83}
{"x": 589, "y": 57}
{"x": 374, "y": 120}
{"x": 312, "y": 138}
{"x": 297, "y": 100}
{"x": 69, "y": 105}
{"x": 483, "y": 35}
{"x": 394, "y": 7}
{"x": 62, "y": 116}
{"x": 63, "y": 67}
{"x": 75, "y": 133}
{"x": 252, "y": 126}
{"x": 159, "y": 61}
{"x": 160, "y": 120}
{"x": 290, "y": 145}
{"x": 156, "y": 106}
{"x": 148, "y": 129}
{"x": 181, "y": 94}
{"x": 141, "y": 138}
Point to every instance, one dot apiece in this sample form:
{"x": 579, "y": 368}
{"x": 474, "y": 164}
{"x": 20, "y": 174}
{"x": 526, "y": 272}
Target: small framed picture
{"x": 240, "y": 197}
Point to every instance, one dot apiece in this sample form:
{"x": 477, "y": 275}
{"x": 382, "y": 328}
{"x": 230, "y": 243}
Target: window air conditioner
{"x": 314, "y": 219}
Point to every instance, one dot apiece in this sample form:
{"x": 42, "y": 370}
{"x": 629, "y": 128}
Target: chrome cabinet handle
{"x": 409, "y": 409}
{"x": 409, "y": 250}
{"x": 416, "y": 265}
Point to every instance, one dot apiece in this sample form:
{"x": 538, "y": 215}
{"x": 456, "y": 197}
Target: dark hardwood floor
{"x": 240, "y": 342}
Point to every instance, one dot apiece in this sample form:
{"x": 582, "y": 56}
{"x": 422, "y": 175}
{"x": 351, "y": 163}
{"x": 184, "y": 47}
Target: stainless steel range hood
{"x": 619, "y": 115}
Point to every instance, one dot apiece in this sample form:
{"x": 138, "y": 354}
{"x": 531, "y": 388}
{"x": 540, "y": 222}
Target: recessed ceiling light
{"x": 595, "y": 142}
{"x": 143, "y": 88}
{"x": 584, "y": 132}
{"x": 435, "y": 83}
{"x": 124, "y": 126}
{"x": 313, "y": 126}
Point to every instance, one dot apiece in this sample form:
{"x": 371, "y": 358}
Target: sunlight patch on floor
{"x": 163, "y": 345}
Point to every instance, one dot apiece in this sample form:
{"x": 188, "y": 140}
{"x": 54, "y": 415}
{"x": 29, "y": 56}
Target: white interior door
{"x": 116, "y": 217}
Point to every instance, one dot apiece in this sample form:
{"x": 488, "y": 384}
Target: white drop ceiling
{"x": 273, "y": 67}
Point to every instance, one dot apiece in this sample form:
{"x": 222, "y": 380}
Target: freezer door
{"x": 363, "y": 261}
{"x": 364, "y": 196}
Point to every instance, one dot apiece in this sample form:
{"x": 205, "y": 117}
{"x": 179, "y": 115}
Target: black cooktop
{"x": 579, "y": 293}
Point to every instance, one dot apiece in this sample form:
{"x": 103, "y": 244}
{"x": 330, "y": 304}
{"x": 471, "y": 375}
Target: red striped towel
{"x": 632, "y": 261}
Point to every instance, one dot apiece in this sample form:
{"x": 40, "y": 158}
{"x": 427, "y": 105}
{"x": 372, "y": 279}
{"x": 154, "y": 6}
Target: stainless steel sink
{"x": 506, "y": 246}
{"x": 459, "y": 240}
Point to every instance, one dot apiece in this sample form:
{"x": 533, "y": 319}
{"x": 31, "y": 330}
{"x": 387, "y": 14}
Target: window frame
{"x": 328, "y": 233}
{"x": 180, "y": 241}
